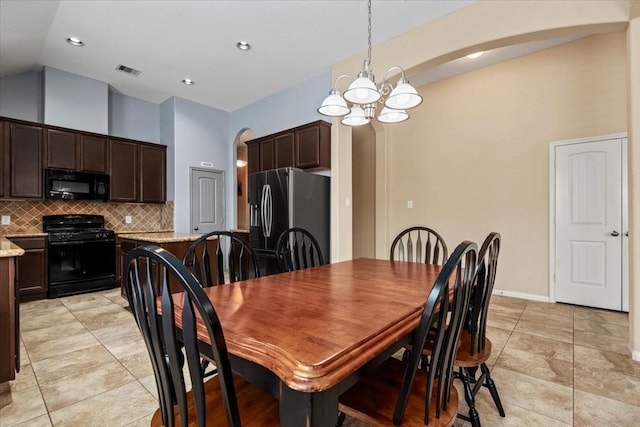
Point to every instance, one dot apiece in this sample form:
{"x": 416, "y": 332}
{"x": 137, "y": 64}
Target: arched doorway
{"x": 242, "y": 179}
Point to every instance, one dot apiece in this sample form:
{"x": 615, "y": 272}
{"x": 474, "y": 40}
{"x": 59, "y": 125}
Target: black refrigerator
{"x": 283, "y": 198}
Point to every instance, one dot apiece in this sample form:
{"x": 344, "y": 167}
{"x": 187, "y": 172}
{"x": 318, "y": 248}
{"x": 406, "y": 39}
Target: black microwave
{"x": 73, "y": 185}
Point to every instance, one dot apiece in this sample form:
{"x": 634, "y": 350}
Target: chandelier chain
{"x": 369, "y": 32}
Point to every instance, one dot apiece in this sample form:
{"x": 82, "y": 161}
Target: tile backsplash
{"x": 26, "y": 216}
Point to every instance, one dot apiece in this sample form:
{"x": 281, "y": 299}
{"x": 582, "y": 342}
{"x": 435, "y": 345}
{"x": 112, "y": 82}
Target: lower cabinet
{"x": 31, "y": 268}
{"x": 9, "y": 321}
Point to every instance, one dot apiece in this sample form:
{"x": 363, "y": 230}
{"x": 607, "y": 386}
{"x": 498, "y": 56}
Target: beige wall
{"x": 364, "y": 192}
{"x": 474, "y": 156}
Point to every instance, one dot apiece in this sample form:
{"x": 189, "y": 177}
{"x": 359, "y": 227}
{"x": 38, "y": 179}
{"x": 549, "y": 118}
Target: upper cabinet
{"x": 24, "y": 149}
{"x": 305, "y": 147}
{"x": 138, "y": 172}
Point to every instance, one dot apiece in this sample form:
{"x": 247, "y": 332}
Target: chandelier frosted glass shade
{"x": 389, "y": 115}
{"x": 403, "y": 96}
{"x": 334, "y": 105}
{"x": 356, "y": 117}
{"x": 362, "y": 91}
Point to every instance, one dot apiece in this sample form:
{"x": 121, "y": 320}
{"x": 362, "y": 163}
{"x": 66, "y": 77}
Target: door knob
{"x": 626, "y": 233}
{"x": 196, "y": 229}
{"x": 614, "y": 233}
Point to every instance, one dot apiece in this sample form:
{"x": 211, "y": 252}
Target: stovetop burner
{"x": 69, "y": 228}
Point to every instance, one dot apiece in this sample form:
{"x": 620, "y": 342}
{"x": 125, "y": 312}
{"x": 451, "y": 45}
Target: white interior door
{"x": 588, "y": 201}
{"x": 207, "y": 201}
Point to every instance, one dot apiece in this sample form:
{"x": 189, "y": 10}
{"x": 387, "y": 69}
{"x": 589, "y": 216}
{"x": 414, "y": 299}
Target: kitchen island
{"x": 9, "y": 311}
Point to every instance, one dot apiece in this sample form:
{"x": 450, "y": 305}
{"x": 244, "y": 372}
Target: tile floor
{"x": 84, "y": 364}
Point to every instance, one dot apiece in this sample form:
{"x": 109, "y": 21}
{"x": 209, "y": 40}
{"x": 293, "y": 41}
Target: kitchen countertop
{"x": 161, "y": 237}
{"x": 9, "y": 249}
{"x": 26, "y": 234}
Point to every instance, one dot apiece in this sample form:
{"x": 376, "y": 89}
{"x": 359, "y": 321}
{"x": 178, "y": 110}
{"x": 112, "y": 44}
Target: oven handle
{"x": 78, "y": 242}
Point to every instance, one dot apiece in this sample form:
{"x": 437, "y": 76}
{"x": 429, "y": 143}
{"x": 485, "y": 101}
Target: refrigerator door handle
{"x": 269, "y": 211}
{"x": 263, "y": 213}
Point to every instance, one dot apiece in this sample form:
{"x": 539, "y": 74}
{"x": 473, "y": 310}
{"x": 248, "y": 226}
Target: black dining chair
{"x": 475, "y": 347}
{"x": 419, "y": 244}
{"x": 223, "y": 400}
{"x": 215, "y": 253}
{"x": 296, "y": 249}
{"x": 398, "y": 392}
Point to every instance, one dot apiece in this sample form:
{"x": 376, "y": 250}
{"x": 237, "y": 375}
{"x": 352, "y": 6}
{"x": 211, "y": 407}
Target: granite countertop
{"x": 9, "y": 249}
{"x": 26, "y": 234}
{"x": 160, "y": 237}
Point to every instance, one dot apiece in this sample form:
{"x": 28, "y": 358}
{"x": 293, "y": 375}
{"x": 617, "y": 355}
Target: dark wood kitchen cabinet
{"x": 31, "y": 268}
{"x": 9, "y": 321}
{"x": 61, "y": 149}
{"x": 24, "y": 147}
{"x": 123, "y": 185}
{"x": 4, "y": 159}
{"x": 152, "y": 173}
{"x": 305, "y": 147}
{"x": 138, "y": 172}
{"x": 93, "y": 153}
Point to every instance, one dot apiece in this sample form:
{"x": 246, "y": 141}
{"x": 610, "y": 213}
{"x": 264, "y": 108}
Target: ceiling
{"x": 292, "y": 41}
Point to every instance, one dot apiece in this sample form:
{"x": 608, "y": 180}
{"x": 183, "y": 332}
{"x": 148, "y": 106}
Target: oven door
{"x": 80, "y": 266}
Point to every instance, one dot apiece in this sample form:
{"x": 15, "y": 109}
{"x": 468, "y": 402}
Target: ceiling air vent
{"x": 128, "y": 70}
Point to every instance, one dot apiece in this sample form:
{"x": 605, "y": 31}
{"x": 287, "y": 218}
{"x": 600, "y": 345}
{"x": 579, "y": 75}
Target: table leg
{"x": 298, "y": 409}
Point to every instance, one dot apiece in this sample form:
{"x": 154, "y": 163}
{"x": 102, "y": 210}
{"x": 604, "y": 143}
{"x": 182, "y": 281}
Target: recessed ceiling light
{"x": 188, "y": 82}
{"x": 242, "y": 45}
{"x": 474, "y": 55}
{"x": 74, "y": 41}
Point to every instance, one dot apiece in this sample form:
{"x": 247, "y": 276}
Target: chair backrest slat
{"x": 427, "y": 242}
{"x": 297, "y": 249}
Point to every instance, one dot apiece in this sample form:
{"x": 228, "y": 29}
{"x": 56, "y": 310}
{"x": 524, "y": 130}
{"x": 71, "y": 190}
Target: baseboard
{"x": 635, "y": 354}
{"x": 521, "y": 295}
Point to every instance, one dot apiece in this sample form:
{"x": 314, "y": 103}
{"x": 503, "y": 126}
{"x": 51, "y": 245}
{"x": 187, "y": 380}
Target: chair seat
{"x": 256, "y": 407}
{"x": 369, "y": 399}
{"x": 464, "y": 358}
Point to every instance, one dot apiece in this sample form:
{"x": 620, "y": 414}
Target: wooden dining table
{"x": 308, "y": 335}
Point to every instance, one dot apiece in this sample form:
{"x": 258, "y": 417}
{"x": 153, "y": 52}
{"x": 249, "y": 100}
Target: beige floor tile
{"x": 142, "y": 422}
{"x": 70, "y": 389}
{"x": 611, "y": 384}
{"x": 49, "y": 331}
{"x": 535, "y": 314}
{"x": 58, "y": 343}
{"x": 18, "y": 406}
{"x": 39, "y": 307}
{"x": 601, "y": 342}
{"x": 121, "y": 340}
{"x": 602, "y": 328}
{"x": 24, "y": 354}
{"x": 597, "y": 411}
{"x": 498, "y": 338}
{"x": 606, "y": 361}
{"x": 543, "y": 397}
{"x": 85, "y": 301}
{"x": 508, "y": 301}
{"x": 138, "y": 364}
{"x": 602, "y": 315}
{"x": 502, "y": 321}
{"x": 506, "y": 310}
{"x": 109, "y": 315}
{"x": 41, "y": 421}
{"x": 24, "y": 379}
{"x": 120, "y": 406}
{"x": 541, "y": 346}
{"x": 545, "y": 368}
{"x": 70, "y": 364}
{"x": 551, "y": 308}
{"x": 550, "y": 331}
{"x": 150, "y": 384}
{"x": 56, "y": 316}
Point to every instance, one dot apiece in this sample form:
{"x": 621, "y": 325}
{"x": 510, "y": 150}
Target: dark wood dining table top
{"x": 314, "y": 327}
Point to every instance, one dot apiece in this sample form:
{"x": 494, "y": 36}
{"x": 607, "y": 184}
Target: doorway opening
{"x": 242, "y": 179}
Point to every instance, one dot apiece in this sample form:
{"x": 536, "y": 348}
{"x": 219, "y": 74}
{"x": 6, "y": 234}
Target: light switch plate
{"x": 347, "y": 201}
{"x": 409, "y": 204}
{"x": 6, "y": 219}
{"x": 127, "y": 219}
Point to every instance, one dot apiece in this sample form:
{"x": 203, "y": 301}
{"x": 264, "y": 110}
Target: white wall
{"x": 133, "y": 118}
{"x": 75, "y": 102}
{"x": 201, "y": 135}
{"x": 21, "y": 96}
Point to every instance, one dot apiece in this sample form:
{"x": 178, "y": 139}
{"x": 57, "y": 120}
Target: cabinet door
{"x": 31, "y": 271}
{"x": 93, "y": 154}
{"x": 3, "y": 160}
{"x": 284, "y": 150}
{"x": 153, "y": 174}
{"x": 307, "y": 151}
{"x": 62, "y": 149}
{"x": 123, "y": 171}
{"x": 267, "y": 155}
{"x": 253, "y": 158}
{"x": 25, "y": 148}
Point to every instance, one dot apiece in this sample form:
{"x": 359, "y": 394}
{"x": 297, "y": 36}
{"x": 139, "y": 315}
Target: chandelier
{"x": 363, "y": 95}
